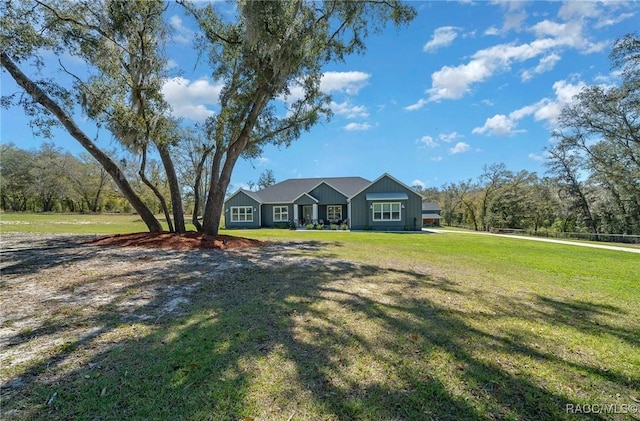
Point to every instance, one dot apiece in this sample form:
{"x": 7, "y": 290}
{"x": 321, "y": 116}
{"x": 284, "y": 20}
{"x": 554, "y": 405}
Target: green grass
{"x": 74, "y": 223}
{"x": 373, "y": 326}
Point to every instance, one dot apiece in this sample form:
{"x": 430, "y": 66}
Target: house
{"x": 384, "y": 204}
{"x": 431, "y": 212}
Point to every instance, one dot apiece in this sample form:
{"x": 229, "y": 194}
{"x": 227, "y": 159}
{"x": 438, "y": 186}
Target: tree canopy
{"x": 261, "y": 55}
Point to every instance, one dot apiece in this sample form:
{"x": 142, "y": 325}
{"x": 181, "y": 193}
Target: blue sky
{"x": 467, "y": 84}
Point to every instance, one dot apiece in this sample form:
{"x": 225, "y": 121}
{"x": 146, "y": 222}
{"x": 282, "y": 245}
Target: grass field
{"x": 366, "y": 326}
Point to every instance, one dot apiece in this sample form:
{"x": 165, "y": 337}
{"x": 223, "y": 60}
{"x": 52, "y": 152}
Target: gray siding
{"x": 267, "y": 214}
{"x": 411, "y": 215}
{"x": 241, "y": 199}
{"x": 328, "y": 196}
{"x": 305, "y": 200}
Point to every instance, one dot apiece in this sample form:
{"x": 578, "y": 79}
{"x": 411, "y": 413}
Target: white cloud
{"x": 551, "y": 38}
{"x": 546, "y": 109}
{"x": 436, "y": 158}
{"x": 442, "y": 37}
{"x": 188, "y": 99}
{"x": 413, "y": 107}
{"x": 182, "y": 35}
{"x": 349, "y": 111}
{"x": 450, "y": 137}
{"x": 352, "y": 127}
{"x": 545, "y": 64}
{"x": 347, "y": 82}
{"x": 492, "y": 30}
{"x": 498, "y": 125}
{"x": 460, "y": 147}
{"x": 419, "y": 183}
{"x": 427, "y": 141}
{"x": 536, "y": 157}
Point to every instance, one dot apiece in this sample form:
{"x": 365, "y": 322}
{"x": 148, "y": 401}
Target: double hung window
{"x": 241, "y": 214}
{"x": 386, "y": 211}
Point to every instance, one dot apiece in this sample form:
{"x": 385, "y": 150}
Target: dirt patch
{"x": 64, "y": 298}
{"x": 186, "y": 241}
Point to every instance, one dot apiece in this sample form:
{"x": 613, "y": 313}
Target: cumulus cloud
{"x": 498, "y": 125}
{"x": 460, "y": 147}
{"x": 348, "y": 110}
{"x": 413, "y": 107}
{"x": 449, "y": 137}
{"x": 347, "y": 82}
{"x": 551, "y": 38}
{"x": 357, "y": 127}
{"x": 418, "y": 183}
{"x": 182, "y": 34}
{"x": 427, "y": 141}
{"x": 545, "y": 64}
{"x": 546, "y": 109}
{"x": 188, "y": 99}
{"x": 442, "y": 37}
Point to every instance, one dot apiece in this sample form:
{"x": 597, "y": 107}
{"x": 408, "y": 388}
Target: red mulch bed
{"x": 187, "y": 241}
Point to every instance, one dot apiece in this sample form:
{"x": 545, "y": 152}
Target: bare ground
{"x": 62, "y": 291}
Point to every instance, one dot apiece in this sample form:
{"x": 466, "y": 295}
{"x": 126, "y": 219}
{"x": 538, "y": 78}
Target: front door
{"x": 307, "y": 214}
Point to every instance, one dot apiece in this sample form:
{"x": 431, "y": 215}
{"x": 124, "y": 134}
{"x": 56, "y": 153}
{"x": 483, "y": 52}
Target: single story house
{"x": 431, "y": 212}
{"x": 385, "y": 204}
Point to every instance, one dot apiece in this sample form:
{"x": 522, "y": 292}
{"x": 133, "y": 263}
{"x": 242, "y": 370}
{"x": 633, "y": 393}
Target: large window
{"x": 241, "y": 214}
{"x": 334, "y": 212}
{"x": 280, "y": 213}
{"x": 386, "y": 211}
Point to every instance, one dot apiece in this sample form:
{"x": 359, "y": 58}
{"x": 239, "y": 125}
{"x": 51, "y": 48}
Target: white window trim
{"x": 380, "y": 211}
{"x": 334, "y": 206}
{"x": 286, "y": 208}
{"x": 246, "y": 214}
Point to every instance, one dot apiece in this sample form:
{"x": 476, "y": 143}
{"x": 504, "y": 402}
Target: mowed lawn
{"x": 366, "y": 326}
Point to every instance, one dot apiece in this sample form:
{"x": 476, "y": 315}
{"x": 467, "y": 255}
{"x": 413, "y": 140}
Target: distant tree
{"x": 119, "y": 42}
{"x": 599, "y": 141}
{"x": 266, "y": 179}
{"x": 16, "y": 179}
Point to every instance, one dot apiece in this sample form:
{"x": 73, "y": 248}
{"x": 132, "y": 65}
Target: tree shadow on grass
{"x": 278, "y": 335}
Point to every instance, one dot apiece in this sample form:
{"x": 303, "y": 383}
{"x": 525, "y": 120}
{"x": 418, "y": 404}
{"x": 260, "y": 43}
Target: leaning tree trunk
{"x": 196, "y": 187}
{"x": 174, "y": 188}
{"x": 114, "y": 171}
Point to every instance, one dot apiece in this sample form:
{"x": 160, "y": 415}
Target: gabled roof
{"x": 289, "y": 190}
{"x": 249, "y": 193}
{"x": 391, "y": 177}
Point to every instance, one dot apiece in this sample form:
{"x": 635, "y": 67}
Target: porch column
{"x": 295, "y": 215}
{"x": 315, "y": 212}
{"x": 349, "y": 213}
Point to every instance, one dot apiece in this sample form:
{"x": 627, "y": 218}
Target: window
{"x": 386, "y": 211}
{"x": 241, "y": 214}
{"x": 334, "y": 212}
{"x": 280, "y": 213}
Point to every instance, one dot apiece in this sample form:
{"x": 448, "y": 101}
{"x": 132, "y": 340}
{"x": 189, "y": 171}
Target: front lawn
{"x": 338, "y": 326}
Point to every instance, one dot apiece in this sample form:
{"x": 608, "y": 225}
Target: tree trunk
{"x": 43, "y": 99}
{"x": 196, "y": 187}
{"x": 174, "y": 188}
{"x": 218, "y": 187}
{"x": 154, "y": 189}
